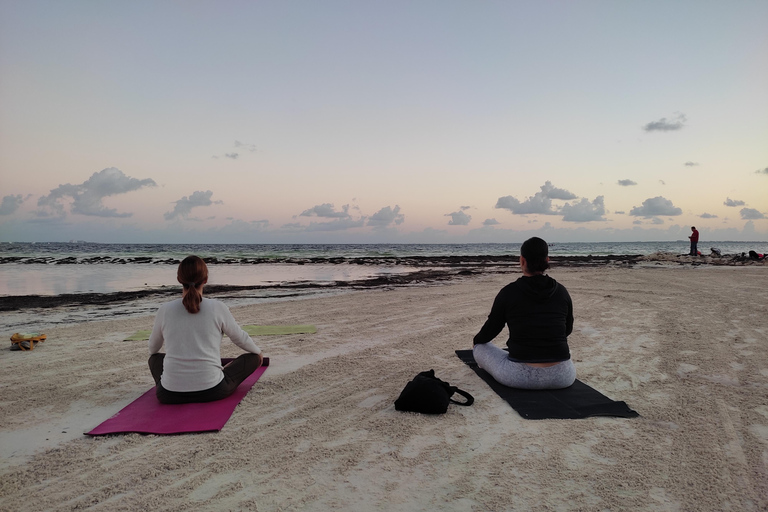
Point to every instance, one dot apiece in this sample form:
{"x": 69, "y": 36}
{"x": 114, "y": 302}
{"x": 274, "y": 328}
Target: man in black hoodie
{"x": 539, "y": 313}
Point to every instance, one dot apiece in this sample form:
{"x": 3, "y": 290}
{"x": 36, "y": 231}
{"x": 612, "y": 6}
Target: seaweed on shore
{"x": 430, "y": 269}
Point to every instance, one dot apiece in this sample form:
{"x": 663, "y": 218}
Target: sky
{"x": 383, "y": 121}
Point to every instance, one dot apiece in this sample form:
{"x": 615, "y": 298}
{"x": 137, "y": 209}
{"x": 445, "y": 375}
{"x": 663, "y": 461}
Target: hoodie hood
{"x": 539, "y": 287}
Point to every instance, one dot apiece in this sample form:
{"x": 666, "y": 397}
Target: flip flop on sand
{"x": 26, "y": 340}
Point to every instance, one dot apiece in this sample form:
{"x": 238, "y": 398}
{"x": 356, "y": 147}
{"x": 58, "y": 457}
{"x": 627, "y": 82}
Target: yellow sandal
{"x": 26, "y": 340}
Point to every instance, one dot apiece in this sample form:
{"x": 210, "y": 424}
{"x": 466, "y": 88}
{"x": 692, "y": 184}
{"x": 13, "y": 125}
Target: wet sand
{"x": 682, "y": 344}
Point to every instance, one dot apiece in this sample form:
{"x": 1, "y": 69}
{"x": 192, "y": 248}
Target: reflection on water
{"x": 40, "y": 279}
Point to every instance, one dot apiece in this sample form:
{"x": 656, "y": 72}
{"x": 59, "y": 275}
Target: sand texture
{"x": 686, "y": 347}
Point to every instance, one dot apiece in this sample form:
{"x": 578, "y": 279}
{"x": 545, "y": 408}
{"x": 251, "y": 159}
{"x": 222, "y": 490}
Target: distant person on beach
{"x": 191, "y": 328}
{"x": 539, "y": 313}
{"x": 694, "y": 241}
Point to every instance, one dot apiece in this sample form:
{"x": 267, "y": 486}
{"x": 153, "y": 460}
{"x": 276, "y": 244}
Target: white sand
{"x": 686, "y": 347}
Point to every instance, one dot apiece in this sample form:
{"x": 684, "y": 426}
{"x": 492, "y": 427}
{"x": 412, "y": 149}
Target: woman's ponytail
{"x": 192, "y": 274}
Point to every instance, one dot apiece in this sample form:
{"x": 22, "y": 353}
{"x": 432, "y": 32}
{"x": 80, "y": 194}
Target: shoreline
{"x": 429, "y": 269}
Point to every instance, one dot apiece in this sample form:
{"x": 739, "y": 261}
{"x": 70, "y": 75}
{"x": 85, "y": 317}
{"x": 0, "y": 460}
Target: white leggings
{"x": 496, "y": 361}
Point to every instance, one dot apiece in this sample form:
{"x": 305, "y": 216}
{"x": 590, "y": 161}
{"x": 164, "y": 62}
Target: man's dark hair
{"x": 535, "y": 252}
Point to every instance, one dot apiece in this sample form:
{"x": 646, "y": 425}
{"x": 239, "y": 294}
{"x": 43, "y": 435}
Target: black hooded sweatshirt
{"x": 539, "y": 313}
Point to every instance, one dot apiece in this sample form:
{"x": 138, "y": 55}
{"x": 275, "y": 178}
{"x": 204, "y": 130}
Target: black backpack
{"x": 430, "y": 395}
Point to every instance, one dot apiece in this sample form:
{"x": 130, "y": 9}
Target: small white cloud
{"x": 87, "y": 197}
{"x": 584, "y": 211}
{"x": 185, "y": 204}
{"x": 490, "y": 222}
{"x": 458, "y": 218}
{"x": 667, "y": 125}
{"x": 244, "y": 145}
{"x": 553, "y": 192}
{"x": 386, "y": 216}
{"x": 626, "y": 183}
{"x": 327, "y": 210}
{"x": 762, "y": 171}
{"x": 751, "y": 214}
{"x": 733, "y": 202}
{"x": 539, "y": 203}
{"x": 707, "y": 216}
{"x": 655, "y": 206}
{"x": 10, "y": 204}
{"x": 691, "y": 164}
{"x": 233, "y": 156}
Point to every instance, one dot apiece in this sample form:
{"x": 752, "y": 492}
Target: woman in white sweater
{"x": 191, "y": 328}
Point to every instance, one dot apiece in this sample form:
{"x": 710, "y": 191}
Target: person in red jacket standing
{"x": 694, "y": 241}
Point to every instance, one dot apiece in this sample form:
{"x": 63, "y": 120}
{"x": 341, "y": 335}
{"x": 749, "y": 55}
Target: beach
{"x": 684, "y": 345}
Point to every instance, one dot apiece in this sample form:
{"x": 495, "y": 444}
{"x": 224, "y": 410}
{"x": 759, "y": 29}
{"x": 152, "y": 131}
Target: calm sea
{"x": 80, "y": 267}
{"x": 64, "y": 268}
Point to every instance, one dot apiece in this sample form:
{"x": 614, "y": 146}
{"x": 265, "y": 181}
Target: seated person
{"x": 539, "y": 313}
{"x": 192, "y": 328}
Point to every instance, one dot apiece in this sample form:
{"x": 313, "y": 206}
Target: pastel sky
{"x": 383, "y": 121}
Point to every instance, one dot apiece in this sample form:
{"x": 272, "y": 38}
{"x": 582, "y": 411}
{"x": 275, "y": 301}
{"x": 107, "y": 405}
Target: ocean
{"x": 48, "y": 284}
{"x": 82, "y": 267}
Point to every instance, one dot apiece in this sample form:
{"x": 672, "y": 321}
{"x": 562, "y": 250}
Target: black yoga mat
{"x": 575, "y": 402}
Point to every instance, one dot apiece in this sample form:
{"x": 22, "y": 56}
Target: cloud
{"x": 617, "y": 212}
{"x": 249, "y": 147}
{"x": 386, "y": 216}
{"x": 733, "y": 202}
{"x": 464, "y": 208}
{"x": 233, "y": 156}
{"x": 762, "y": 171}
{"x": 490, "y": 222}
{"x": 335, "y": 225}
{"x": 656, "y": 220}
{"x": 751, "y": 214}
{"x": 662, "y": 182}
{"x": 185, "y": 204}
{"x": 540, "y": 203}
{"x": 626, "y": 183}
{"x": 655, "y": 206}
{"x": 707, "y": 216}
{"x": 667, "y": 125}
{"x": 458, "y": 218}
{"x": 327, "y": 210}
{"x": 691, "y": 164}
{"x": 584, "y": 211}
{"x": 87, "y": 196}
{"x": 10, "y": 204}
{"x": 342, "y": 219}
{"x": 556, "y": 193}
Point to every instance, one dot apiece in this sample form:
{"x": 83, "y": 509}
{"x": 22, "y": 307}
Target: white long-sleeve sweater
{"x": 193, "y": 343}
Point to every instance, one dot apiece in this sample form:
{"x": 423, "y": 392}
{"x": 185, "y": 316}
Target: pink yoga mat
{"x": 146, "y": 415}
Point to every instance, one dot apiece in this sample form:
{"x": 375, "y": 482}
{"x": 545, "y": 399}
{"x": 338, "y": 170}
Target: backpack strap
{"x": 470, "y": 398}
